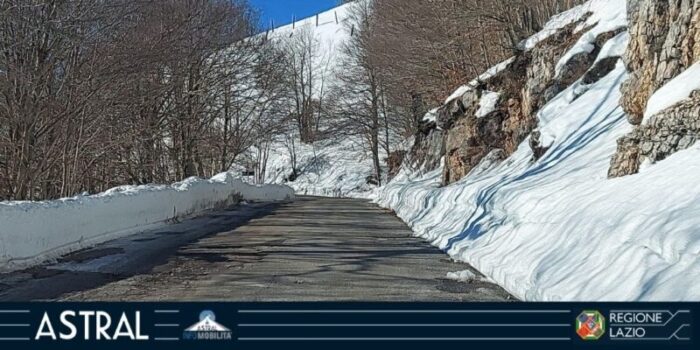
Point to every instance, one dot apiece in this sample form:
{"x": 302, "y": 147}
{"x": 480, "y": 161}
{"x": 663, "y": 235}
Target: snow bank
{"x": 675, "y": 91}
{"x": 558, "y": 228}
{"x": 33, "y": 232}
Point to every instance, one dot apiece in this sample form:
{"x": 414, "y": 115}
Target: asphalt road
{"x": 312, "y": 249}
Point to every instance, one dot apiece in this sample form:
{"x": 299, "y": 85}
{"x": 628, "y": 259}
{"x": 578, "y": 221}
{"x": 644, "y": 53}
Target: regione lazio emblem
{"x": 590, "y": 325}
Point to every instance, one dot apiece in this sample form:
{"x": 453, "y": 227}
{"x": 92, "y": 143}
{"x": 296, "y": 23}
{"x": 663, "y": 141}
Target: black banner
{"x": 323, "y": 325}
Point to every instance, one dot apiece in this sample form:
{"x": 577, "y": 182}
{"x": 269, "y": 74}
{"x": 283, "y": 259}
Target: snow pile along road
{"x": 33, "y": 232}
{"x": 557, "y": 228}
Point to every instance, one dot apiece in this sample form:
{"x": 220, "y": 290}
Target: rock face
{"x": 470, "y": 139}
{"x": 428, "y": 148}
{"x": 526, "y": 84}
{"x": 468, "y": 142}
{"x": 674, "y": 129}
{"x": 664, "y": 41}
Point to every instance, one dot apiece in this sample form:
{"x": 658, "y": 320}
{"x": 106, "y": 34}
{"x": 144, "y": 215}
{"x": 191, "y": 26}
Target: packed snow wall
{"x": 33, "y": 232}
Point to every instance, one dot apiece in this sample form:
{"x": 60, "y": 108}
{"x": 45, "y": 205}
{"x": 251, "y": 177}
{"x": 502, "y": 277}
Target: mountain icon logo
{"x": 207, "y": 328}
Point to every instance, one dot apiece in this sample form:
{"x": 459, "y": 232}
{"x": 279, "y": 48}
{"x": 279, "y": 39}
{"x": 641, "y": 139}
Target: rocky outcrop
{"x": 526, "y": 84}
{"x": 674, "y": 129}
{"x": 469, "y": 140}
{"x": 538, "y": 150}
{"x": 428, "y": 147}
{"x": 664, "y": 41}
{"x": 599, "y": 70}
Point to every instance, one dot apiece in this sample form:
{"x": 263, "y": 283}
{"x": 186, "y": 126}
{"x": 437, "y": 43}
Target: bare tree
{"x": 426, "y": 49}
{"x": 358, "y": 97}
{"x": 306, "y": 62}
{"x": 99, "y": 93}
{"x": 252, "y": 105}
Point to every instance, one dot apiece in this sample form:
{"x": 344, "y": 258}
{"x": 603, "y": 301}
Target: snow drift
{"x": 32, "y": 232}
{"x": 557, "y": 228}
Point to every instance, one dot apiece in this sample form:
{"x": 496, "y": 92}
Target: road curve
{"x": 311, "y": 249}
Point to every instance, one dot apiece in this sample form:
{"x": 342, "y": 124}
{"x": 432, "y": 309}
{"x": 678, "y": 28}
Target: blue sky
{"x": 281, "y": 11}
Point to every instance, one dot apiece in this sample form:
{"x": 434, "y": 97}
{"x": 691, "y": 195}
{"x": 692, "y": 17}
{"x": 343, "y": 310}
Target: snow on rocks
{"x": 487, "y": 104}
{"x": 431, "y": 116}
{"x": 606, "y": 16}
{"x": 614, "y": 47}
{"x": 458, "y": 93}
{"x": 673, "y": 92}
{"x": 538, "y": 228}
{"x": 491, "y": 72}
{"x": 33, "y": 232}
{"x": 663, "y": 45}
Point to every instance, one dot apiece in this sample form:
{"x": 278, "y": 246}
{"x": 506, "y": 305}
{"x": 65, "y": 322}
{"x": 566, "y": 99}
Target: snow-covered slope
{"x": 329, "y": 168}
{"x": 337, "y": 167}
{"x": 557, "y": 228}
{"x": 32, "y": 232}
{"x": 329, "y": 32}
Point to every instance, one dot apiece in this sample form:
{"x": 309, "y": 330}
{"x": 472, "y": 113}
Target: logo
{"x": 90, "y": 325}
{"x": 590, "y": 325}
{"x": 207, "y": 328}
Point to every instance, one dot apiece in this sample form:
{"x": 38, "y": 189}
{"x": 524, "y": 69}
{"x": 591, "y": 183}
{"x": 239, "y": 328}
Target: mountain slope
{"x": 336, "y": 167}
